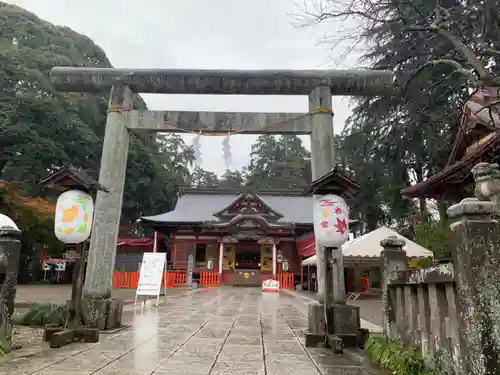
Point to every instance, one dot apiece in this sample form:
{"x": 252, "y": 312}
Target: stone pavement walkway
{"x": 215, "y": 331}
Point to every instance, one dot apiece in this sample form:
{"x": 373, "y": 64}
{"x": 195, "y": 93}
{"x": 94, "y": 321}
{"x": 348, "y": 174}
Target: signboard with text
{"x": 270, "y": 285}
{"x": 58, "y": 264}
{"x": 151, "y": 274}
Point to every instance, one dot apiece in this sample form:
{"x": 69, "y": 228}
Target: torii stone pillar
{"x": 320, "y": 85}
{"x": 97, "y": 302}
{"x": 322, "y": 162}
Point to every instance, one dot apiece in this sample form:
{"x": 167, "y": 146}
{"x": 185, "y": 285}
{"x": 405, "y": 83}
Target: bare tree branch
{"x": 457, "y": 69}
{"x": 466, "y": 52}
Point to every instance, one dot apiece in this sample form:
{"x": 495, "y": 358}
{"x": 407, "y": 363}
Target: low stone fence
{"x": 451, "y": 313}
{"x": 422, "y": 313}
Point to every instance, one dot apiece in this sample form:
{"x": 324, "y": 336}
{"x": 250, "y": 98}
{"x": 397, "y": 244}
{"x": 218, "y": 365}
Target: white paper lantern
{"x": 74, "y": 213}
{"x": 331, "y": 220}
{"x": 7, "y": 223}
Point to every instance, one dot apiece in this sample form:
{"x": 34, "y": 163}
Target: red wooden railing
{"x": 286, "y": 280}
{"x": 209, "y": 279}
{"x": 174, "y": 279}
{"x": 129, "y": 280}
{"x": 125, "y": 280}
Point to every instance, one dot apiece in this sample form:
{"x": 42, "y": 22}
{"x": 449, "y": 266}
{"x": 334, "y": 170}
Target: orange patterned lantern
{"x": 74, "y": 213}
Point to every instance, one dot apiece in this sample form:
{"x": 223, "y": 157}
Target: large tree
{"x": 439, "y": 51}
{"x": 279, "y": 163}
{"x": 42, "y": 129}
{"x": 202, "y": 178}
{"x": 232, "y": 179}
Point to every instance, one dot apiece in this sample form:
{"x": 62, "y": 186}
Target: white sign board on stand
{"x": 151, "y": 273}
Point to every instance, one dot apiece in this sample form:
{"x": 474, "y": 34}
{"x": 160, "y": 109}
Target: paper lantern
{"x": 74, "y": 212}
{"x": 7, "y": 223}
{"x": 331, "y": 220}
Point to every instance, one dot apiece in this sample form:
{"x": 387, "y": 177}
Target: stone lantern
{"x": 332, "y": 321}
{"x": 10, "y": 250}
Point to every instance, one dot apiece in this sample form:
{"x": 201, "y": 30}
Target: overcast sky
{"x": 190, "y": 34}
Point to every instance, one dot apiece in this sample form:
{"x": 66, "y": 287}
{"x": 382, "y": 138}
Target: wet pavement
{"x": 214, "y": 331}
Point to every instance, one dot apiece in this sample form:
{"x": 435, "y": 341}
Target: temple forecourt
{"x": 318, "y": 85}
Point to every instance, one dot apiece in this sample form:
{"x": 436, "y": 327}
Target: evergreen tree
{"x": 439, "y": 52}
{"x": 278, "y": 162}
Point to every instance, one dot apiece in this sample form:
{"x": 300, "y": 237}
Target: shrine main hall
{"x": 245, "y": 237}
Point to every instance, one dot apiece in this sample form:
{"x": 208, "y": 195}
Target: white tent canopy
{"x": 368, "y": 246}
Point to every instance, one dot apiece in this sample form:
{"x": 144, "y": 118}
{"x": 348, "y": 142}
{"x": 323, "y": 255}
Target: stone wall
{"x": 421, "y": 313}
{"x": 451, "y": 313}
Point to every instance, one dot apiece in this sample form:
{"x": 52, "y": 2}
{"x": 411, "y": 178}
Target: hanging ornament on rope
{"x": 197, "y": 149}
{"x": 226, "y": 150}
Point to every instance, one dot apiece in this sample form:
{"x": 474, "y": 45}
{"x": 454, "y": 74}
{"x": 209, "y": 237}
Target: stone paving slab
{"x": 218, "y": 332}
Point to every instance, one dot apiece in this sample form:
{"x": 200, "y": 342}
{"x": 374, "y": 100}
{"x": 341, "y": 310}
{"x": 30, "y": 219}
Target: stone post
{"x": 393, "y": 259}
{"x": 476, "y": 262}
{"x": 322, "y": 159}
{"x": 98, "y": 306}
{"x": 10, "y": 250}
{"x": 487, "y": 178}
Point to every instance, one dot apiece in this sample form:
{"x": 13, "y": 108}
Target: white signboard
{"x": 331, "y": 220}
{"x": 151, "y": 275}
{"x": 270, "y": 285}
{"x": 58, "y": 264}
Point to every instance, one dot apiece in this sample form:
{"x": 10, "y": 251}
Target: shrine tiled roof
{"x": 200, "y": 206}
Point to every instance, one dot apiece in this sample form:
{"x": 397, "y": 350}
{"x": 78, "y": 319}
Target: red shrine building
{"x": 241, "y": 237}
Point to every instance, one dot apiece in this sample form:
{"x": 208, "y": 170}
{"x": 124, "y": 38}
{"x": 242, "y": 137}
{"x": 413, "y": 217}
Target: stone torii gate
{"x": 319, "y": 85}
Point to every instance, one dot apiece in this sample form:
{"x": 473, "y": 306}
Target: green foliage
{"x": 202, "y": 178}
{"x": 394, "y": 357}
{"x": 278, "y": 163}
{"x": 5, "y": 347}
{"x": 42, "y": 314}
{"x": 435, "y": 236}
{"x": 232, "y": 179}
{"x": 42, "y": 129}
{"x": 398, "y": 140}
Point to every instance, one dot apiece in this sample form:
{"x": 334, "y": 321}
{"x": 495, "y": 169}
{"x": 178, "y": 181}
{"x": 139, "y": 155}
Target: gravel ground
{"x": 24, "y": 337}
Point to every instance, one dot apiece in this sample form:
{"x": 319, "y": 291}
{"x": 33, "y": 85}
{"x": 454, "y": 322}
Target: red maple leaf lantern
{"x": 341, "y": 226}
{"x": 331, "y": 225}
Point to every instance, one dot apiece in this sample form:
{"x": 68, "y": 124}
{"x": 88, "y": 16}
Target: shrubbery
{"x": 392, "y": 356}
{"x": 42, "y": 314}
{"x": 4, "y": 347}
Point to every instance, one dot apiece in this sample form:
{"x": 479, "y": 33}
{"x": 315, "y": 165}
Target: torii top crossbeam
{"x": 228, "y": 82}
